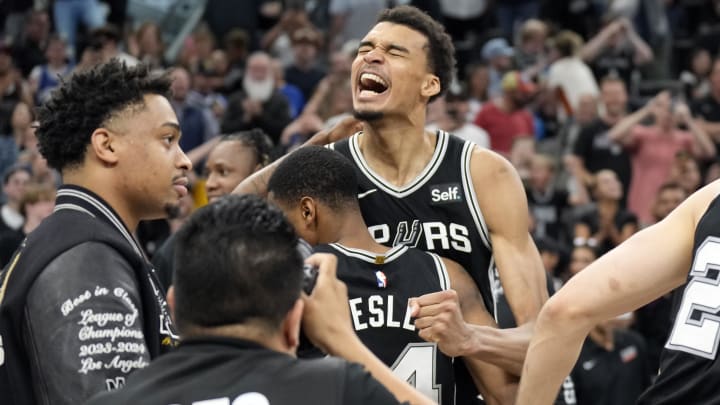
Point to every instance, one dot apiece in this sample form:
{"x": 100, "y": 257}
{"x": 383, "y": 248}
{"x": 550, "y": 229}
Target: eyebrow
{"x": 173, "y": 125}
{"x": 391, "y": 47}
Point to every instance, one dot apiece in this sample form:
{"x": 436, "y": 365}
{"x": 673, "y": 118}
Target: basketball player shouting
{"x": 432, "y": 190}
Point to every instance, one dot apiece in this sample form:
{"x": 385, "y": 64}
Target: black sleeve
{"x": 583, "y": 143}
{"x": 83, "y": 325}
{"x": 162, "y": 261}
{"x": 361, "y": 388}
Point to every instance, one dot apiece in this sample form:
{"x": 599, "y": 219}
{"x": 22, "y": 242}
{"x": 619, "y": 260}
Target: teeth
{"x": 374, "y": 78}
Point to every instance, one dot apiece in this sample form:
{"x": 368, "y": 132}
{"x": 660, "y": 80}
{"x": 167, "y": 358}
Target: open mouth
{"x": 372, "y": 84}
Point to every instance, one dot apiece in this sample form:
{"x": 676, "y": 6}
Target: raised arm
{"x": 646, "y": 266}
{"x": 620, "y": 133}
{"x": 703, "y": 146}
{"x": 257, "y": 182}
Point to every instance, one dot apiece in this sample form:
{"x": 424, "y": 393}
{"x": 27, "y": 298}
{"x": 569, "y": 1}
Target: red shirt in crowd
{"x": 504, "y": 127}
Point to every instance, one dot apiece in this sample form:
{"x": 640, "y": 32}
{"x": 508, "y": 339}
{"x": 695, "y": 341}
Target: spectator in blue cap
{"x": 497, "y": 53}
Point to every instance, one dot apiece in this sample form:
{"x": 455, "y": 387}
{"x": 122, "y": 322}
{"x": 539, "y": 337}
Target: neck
{"x": 349, "y": 236}
{"x": 30, "y": 224}
{"x": 506, "y": 105}
{"x": 106, "y": 191}
{"x": 254, "y": 333}
{"x": 607, "y": 204}
{"x": 397, "y": 150}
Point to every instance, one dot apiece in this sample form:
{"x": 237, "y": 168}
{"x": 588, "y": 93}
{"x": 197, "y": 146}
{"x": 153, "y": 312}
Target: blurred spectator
{"x": 546, "y": 202}
{"x": 197, "y": 49}
{"x": 259, "y": 104}
{"x": 478, "y": 82}
{"x": 712, "y": 173}
{"x": 304, "y": 71}
{"x": 466, "y": 21}
{"x": 278, "y": 41}
{"x": 668, "y": 197}
{"x": 551, "y": 255}
{"x": 150, "y": 47}
{"x": 224, "y": 16}
{"x": 237, "y": 45}
{"x": 30, "y": 50}
{"x": 108, "y": 37}
{"x": 15, "y": 18}
{"x": 194, "y": 119}
{"x": 206, "y": 84}
{"x": 507, "y": 117}
{"x": 291, "y": 92}
{"x": 350, "y": 19}
{"x": 577, "y": 16}
{"x": 612, "y": 368}
{"x": 69, "y": 14}
{"x": 15, "y": 179}
{"x": 530, "y": 51}
{"x": 497, "y": 53}
{"x": 339, "y": 75}
{"x": 593, "y": 148}
{"x": 23, "y": 131}
{"x": 521, "y": 156}
{"x": 585, "y": 115}
{"x": 707, "y": 109}
{"x": 582, "y": 255}
{"x": 12, "y": 89}
{"x": 569, "y": 77}
{"x": 695, "y": 78}
{"x": 41, "y": 173}
{"x": 607, "y": 224}
{"x": 456, "y": 108}
{"x": 37, "y": 203}
{"x": 654, "y": 147}
{"x": 45, "y": 78}
{"x": 616, "y": 50}
{"x": 686, "y": 172}
{"x": 512, "y": 13}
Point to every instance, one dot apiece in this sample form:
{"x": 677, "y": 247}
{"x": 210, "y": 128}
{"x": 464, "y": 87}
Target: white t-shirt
{"x": 575, "y": 79}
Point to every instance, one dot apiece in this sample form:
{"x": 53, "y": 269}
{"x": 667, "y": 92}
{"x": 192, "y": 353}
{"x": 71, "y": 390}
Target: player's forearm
{"x": 352, "y": 349}
{"x": 505, "y": 348}
{"x": 555, "y": 346}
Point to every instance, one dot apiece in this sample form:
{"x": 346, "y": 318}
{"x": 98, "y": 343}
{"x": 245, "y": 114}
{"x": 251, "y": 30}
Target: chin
{"x": 367, "y": 115}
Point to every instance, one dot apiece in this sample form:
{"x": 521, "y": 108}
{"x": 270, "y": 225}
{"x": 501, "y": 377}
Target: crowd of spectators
{"x": 609, "y": 110}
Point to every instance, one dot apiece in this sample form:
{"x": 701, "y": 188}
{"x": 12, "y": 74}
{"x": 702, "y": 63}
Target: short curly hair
{"x": 85, "y": 102}
{"x": 441, "y": 51}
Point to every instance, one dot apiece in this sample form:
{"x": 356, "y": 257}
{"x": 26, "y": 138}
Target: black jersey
{"x": 689, "y": 366}
{"x": 379, "y": 287}
{"x": 437, "y": 212}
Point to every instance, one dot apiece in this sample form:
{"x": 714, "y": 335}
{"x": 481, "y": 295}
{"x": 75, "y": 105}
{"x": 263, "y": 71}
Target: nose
{"x": 375, "y": 55}
{"x": 184, "y": 161}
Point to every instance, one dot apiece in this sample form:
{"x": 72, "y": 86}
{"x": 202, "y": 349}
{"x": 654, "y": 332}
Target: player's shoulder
{"x": 488, "y": 168}
{"x": 701, "y": 202}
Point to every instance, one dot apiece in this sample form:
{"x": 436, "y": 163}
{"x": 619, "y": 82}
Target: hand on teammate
{"x": 326, "y": 317}
{"x": 343, "y": 129}
{"x": 438, "y": 319}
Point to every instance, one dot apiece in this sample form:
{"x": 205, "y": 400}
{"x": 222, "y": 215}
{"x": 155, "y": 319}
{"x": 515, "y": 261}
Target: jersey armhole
{"x": 442, "y": 272}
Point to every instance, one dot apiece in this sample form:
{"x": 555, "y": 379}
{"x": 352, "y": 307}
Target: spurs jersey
{"x": 379, "y": 287}
{"x": 437, "y": 212}
{"x": 689, "y": 365}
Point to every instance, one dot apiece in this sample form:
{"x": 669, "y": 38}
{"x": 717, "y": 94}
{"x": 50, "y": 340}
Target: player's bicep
{"x": 504, "y": 206}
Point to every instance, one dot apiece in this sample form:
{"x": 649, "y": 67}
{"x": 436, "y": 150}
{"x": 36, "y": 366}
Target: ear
{"x": 291, "y": 326}
{"x": 308, "y": 211}
{"x": 170, "y": 298}
{"x": 431, "y": 86}
{"x": 103, "y": 144}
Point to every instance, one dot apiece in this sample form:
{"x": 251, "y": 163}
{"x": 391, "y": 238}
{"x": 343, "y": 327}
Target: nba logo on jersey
{"x": 381, "y": 279}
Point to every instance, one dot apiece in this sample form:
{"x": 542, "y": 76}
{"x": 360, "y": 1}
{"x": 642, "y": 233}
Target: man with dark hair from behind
{"x": 236, "y": 299}
{"x": 80, "y": 306}
{"x": 317, "y": 190}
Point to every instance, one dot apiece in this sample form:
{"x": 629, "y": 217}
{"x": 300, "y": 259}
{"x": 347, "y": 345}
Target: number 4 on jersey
{"x": 697, "y": 326}
{"x": 416, "y": 365}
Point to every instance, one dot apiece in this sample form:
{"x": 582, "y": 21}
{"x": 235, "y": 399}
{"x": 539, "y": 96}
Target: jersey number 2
{"x": 416, "y": 365}
{"x": 697, "y": 326}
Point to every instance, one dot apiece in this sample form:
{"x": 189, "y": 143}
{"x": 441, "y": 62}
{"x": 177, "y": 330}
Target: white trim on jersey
{"x": 370, "y": 257}
{"x": 472, "y": 201}
{"x": 419, "y": 181}
{"x": 494, "y": 291}
{"x": 441, "y": 270}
